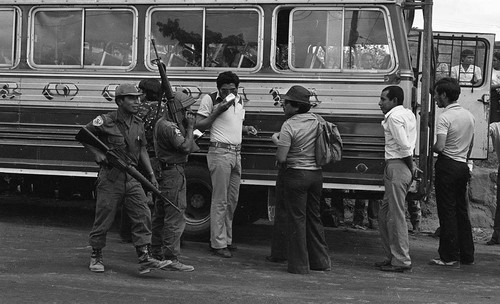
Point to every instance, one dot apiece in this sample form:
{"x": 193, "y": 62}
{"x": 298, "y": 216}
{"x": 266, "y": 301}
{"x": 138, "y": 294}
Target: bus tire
{"x": 199, "y": 199}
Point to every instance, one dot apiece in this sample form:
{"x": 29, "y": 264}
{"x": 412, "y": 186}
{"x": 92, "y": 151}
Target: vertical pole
{"x": 426, "y": 113}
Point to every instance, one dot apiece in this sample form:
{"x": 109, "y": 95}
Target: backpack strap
{"x": 214, "y": 98}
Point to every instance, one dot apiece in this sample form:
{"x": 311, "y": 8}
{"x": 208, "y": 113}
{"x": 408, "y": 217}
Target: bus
{"x": 60, "y": 62}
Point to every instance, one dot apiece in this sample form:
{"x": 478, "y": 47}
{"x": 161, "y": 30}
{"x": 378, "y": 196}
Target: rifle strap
{"x": 214, "y": 98}
{"x": 158, "y": 109}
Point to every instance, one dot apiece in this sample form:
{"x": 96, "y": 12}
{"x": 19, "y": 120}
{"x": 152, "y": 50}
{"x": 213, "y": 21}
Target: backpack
{"x": 328, "y": 146}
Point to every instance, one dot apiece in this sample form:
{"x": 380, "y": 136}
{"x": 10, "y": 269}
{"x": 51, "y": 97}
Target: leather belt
{"x": 166, "y": 166}
{"x": 225, "y": 146}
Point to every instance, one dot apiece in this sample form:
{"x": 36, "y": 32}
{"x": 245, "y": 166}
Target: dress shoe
{"x": 272, "y": 259}
{"x": 383, "y": 263}
{"x": 392, "y": 268}
{"x": 232, "y": 248}
{"x": 223, "y": 252}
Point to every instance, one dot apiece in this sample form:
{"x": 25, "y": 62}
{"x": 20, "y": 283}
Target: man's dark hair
{"x": 152, "y": 88}
{"x": 395, "y": 92}
{"x": 226, "y": 78}
{"x": 449, "y": 86}
{"x": 303, "y": 107}
{"x": 466, "y": 53}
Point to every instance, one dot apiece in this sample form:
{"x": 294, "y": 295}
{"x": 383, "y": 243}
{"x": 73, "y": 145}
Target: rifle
{"x": 119, "y": 159}
{"x": 174, "y": 106}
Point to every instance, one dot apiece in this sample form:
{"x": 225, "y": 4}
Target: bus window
{"x": 8, "y": 21}
{"x": 80, "y": 38}
{"x": 461, "y": 58}
{"x": 178, "y": 35}
{"x": 112, "y": 46}
{"x": 231, "y": 38}
{"x": 366, "y": 44}
{"x": 315, "y": 40}
{"x": 230, "y": 35}
{"x": 57, "y": 37}
{"x": 316, "y": 36}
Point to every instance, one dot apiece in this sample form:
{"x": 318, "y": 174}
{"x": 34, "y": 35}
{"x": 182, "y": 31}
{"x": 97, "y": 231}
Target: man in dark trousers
{"x": 455, "y": 134}
{"x": 122, "y": 129}
{"x": 172, "y": 149}
{"x": 495, "y": 137}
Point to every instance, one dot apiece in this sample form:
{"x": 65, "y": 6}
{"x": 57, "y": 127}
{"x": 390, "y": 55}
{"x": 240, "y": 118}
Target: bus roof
{"x": 189, "y": 2}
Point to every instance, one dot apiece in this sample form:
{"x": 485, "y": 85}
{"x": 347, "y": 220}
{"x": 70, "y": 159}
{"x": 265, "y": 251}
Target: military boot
{"x": 96, "y": 264}
{"x": 148, "y": 263}
{"x": 156, "y": 252}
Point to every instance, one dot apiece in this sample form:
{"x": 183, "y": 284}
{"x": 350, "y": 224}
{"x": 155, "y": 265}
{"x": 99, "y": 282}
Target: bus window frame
{"x": 82, "y": 66}
{"x": 204, "y": 9}
{"x": 461, "y": 40}
{"x": 15, "y": 53}
{"x": 342, "y": 8}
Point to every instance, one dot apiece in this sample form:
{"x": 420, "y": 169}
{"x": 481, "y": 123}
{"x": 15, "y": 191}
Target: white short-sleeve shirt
{"x": 228, "y": 126}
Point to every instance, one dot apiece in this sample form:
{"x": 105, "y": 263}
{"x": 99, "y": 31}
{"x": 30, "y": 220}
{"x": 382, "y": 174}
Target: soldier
{"x": 172, "y": 150}
{"x": 122, "y": 129}
{"x": 149, "y": 113}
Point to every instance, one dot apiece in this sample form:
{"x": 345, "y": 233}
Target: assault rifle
{"x": 174, "y": 106}
{"x": 119, "y": 159}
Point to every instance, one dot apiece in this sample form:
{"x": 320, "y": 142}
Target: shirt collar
{"x": 452, "y": 105}
{"x": 121, "y": 118}
{"x": 395, "y": 109}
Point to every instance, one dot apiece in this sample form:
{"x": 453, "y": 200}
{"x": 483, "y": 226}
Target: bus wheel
{"x": 199, "y": 198}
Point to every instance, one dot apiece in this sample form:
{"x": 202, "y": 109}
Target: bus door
{"x": 468, "y": 57}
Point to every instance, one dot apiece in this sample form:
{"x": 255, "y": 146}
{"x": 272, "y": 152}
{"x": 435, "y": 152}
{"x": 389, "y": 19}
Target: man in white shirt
{"x": 455, "y": 134}
{"x": 400, "y": 131}
{"x": 466, "y": 72}
{"x": 222, "y": 112}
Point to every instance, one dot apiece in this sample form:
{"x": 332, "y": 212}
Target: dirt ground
{"x": 44, "y": 258}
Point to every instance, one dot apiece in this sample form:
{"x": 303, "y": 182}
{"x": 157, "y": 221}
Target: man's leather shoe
{"x": 392, "y": 268}
{"x": 439, "y": 262}
{"x": 322, "y": 269}
{"x": 223, "y": 252}
{"x": 383, "y": 263}
{"x": 232, "y": 248}
{"x": 272, "y": 259}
